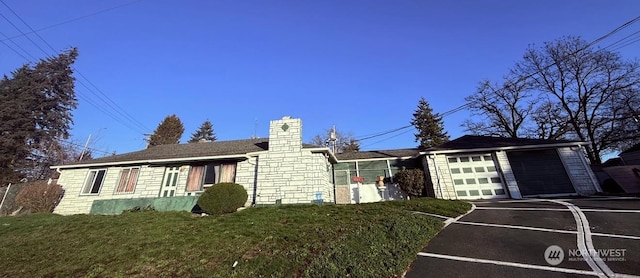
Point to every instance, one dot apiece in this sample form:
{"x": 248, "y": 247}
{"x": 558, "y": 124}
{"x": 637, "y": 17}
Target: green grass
{"x": 367, "y": 240}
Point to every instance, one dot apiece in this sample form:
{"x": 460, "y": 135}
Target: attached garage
{"x": 475, "y": 176}
{"x": 540, "y": 172}
{"x": 485, "y": 167}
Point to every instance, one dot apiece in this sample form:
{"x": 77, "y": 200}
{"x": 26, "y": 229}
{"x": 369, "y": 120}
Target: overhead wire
{"x": 74, "y": 19}
{"x": 521, "y": 79}
{"x": 135, "y": 124}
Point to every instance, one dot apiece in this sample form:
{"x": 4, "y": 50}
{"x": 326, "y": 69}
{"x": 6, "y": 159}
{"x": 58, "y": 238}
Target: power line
{"x": 521, "y": 79}
{"x": 104, "y": 98}
{"x": 388, "y": 138}
{"x": 88, "y": 148}
{"x": 73, "y": 19}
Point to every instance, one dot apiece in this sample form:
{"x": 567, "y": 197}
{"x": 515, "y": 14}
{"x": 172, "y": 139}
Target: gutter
{"x": 148, "y": 161}
{"x": 572, "y": 144}
{"x": 323, "y": 150}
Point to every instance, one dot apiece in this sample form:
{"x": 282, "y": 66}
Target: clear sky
{"x": 361, "y": 65}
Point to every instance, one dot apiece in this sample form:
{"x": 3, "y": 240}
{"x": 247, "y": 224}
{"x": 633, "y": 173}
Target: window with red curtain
{"x": 209, "y": 174}
{"x": 194, "y": 181}
{"x": 128, "y": 180}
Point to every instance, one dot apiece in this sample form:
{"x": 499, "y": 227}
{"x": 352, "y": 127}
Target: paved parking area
{"x": 538, "y": 238}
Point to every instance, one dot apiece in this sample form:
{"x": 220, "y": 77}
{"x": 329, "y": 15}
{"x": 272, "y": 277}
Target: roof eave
{"x": 148, "y": 161}
{"x": 537, "y": 146}
{"x": 332, "y": 157}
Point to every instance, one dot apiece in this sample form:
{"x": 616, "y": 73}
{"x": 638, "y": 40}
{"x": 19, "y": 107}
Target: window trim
{"x": 218, "y": 173}
{"x": 135, "y": 182}
{"x": 89, "y": 185}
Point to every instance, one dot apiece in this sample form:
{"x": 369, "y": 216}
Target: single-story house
{"x": 275, "y": 170}
{"x": 282, "y": 170}
{"x": 485, "y": 167}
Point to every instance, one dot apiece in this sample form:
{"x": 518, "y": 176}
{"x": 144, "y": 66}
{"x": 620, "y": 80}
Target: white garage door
{"x": 476, "y": 177}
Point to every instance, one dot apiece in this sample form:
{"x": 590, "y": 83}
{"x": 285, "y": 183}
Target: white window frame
{"x": 89, "y": 182}
{"x": 135, "y": 182}
{"x": 202, "y": 185}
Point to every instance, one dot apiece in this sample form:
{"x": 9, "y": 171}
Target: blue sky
{"x": 361, "y": 65}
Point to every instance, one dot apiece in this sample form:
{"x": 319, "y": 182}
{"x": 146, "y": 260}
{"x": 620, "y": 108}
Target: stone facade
{"x": 288, "y": 173}
{"x": 583, "y": 179}
{"x": 72, "y": 181}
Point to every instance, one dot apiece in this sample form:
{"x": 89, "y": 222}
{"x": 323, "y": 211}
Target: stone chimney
{"x": 285, "y": 135}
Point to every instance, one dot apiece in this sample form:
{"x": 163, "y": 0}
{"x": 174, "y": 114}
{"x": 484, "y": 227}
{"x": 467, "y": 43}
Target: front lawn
{"x": 367, "y": 240}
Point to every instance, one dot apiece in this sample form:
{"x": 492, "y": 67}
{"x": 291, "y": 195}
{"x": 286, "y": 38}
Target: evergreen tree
{"x": 204, "y": 133}
{"x": 169, "y": 131}
{"x": 429, "y": 125}
{"x": 35, "y": 113}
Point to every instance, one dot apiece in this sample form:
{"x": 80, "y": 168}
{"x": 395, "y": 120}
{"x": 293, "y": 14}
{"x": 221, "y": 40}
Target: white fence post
{"x": 5, "y": 196}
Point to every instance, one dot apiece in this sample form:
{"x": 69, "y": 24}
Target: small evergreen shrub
{"x": 39, "y": 196}
{"x": 410, "y": 181}
{"x": 223, "y": 198}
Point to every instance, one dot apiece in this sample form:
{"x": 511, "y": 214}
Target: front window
{"x": 93, "y": 182}
{"x": 206, "y": 175}
{"x": 128, "y": 179}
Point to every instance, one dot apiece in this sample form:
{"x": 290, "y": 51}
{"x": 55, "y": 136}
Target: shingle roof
{"x": 216, "y": 148}
{"x": 636, "y": 147}
{"x": 480, "y": 142}
{"x": 377, "y": 154}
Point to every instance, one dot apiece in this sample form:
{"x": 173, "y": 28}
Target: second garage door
{"x": 476, "y": 177}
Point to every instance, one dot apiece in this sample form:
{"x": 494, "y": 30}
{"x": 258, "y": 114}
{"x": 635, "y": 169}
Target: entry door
{"x": 170, "y": 181}
{"x": 475, "y": 176}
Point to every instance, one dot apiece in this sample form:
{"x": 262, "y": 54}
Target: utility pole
{"x": 333, "y": 138}
{"x": 84, "y": 149}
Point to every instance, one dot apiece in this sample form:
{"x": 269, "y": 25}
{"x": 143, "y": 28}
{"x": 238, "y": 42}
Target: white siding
{"x": 583, "y": 179}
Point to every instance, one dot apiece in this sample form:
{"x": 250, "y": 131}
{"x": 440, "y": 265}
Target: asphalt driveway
{"x": 537, "y": 238}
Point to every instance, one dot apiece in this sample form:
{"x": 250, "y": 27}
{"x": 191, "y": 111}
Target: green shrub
{"x": 223, "y": 198}
{"x": 411, "y": 181}
{"x": 39, "y": 196}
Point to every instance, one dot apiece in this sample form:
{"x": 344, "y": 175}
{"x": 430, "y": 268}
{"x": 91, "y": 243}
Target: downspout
{"x": 437, "y": 175}
{"x": 255, "y": 179}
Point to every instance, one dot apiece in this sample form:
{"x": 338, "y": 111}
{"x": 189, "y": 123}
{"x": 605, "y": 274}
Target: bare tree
{"x": 345, "y": 142}
{"x": 588, "y": 87}
{"x": 500, "y": 109}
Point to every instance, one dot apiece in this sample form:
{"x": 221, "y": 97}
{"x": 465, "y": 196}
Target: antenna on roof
{"x": 255, "y": 129}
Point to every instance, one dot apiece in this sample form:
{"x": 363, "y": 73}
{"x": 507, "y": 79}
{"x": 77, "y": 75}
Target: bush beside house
{"x": 39, "y": 196}
{"x": 410, "y": 181}
{"x": 223, "y": 198}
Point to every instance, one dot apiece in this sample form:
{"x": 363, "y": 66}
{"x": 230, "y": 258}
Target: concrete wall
{"x": 580, "y": 174}
{"x": 289, "y": 174}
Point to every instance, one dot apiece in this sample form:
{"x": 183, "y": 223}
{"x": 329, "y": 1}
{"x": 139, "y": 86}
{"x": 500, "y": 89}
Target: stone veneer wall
{"x": 289, "y": 174}
{"x": 245, "y": 176}
{"x": 438, "y": 169}
{"x": 583, "y": 179}
{"x": 72, "y": 180}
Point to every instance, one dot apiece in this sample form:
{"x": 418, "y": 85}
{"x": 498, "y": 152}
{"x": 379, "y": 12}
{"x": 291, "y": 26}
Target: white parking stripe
{"x": 534, "y": 209}
{"x": 585, "y": 245}
{"x": 520, "y": 265}
{"x": 516, "y": 227}
{"x": 543, "y": 229}
{"x": 611, "y": 210}
{"x": 560, "y": 209}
